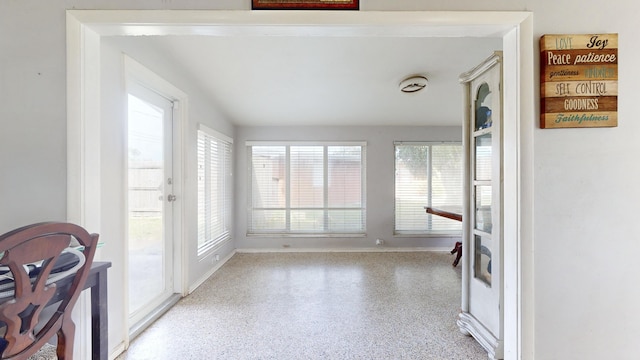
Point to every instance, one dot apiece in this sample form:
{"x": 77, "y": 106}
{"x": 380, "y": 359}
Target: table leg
{"x": 99, "y": 329}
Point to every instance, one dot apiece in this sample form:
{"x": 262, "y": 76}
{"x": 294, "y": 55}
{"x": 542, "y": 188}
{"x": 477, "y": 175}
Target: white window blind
{"x": 306, "y": 188}
{"x": 214, "y": 188}
{"x": 427, "y": 174}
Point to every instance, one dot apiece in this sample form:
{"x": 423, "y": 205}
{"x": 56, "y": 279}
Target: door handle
{"x": 171, "y": 198}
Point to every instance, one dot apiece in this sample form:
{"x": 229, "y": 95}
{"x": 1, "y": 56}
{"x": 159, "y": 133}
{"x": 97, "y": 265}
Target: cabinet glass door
{"x": 482, "y": 183}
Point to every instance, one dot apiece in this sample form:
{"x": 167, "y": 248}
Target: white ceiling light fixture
{"x": 413, "y": 83}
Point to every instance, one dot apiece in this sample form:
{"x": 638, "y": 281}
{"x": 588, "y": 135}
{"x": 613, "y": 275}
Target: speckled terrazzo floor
{"x": 341, "y": 306}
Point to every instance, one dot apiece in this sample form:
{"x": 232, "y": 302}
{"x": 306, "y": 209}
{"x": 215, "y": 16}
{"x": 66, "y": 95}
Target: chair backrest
{"x": 33, "y": 258}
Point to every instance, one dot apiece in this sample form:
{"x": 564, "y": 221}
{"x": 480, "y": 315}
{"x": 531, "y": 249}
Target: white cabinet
{"x": 482, "y": 277}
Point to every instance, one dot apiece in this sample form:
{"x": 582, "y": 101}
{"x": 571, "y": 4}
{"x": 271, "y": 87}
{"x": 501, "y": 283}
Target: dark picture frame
{"x": 305, "y": 4}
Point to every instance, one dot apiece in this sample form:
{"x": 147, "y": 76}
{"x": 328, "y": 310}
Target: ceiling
{"x": 324, "y": 80}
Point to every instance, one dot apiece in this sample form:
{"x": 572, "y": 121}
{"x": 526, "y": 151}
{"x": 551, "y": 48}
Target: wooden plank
{"x": 556, "y": 73}
{"x": 579, "y": 88}
{"x": 579, "y": 57}
{"x": 579, "y": 103}
{"x": 579, "y": 119}
{"x": 581, "y": 41}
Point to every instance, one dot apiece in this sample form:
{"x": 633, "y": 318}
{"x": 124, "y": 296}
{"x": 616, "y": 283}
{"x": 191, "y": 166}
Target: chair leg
{"x": 457, "y": 249}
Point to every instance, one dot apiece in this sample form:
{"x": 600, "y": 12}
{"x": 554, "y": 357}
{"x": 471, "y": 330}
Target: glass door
{"x": 150, "y": 201}
{"x": 483, "y": 181}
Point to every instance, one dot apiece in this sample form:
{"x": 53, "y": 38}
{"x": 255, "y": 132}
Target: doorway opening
{"x": 85, "y": 29}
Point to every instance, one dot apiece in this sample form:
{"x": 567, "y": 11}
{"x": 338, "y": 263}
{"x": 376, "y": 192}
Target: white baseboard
{"x": 119, "y": 349}
{"x": 208, "y": 274}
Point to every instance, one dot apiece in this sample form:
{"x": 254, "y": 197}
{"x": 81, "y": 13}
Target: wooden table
{"x": 97, "y": 283}
{"x": 453, "y": 215}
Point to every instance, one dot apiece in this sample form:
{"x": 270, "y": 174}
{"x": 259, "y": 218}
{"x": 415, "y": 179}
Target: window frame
{"x": 428, "y": 219}
{"x": 287, "y": 230}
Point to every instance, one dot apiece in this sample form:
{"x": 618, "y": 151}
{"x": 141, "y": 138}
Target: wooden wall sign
{"x": 579, "y": 81}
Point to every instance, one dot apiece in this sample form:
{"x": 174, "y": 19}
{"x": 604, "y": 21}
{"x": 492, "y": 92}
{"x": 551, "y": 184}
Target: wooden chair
{"x": 36, "y": 256}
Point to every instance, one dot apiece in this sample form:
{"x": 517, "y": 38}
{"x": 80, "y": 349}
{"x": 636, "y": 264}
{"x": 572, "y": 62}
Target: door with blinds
{"x": 482, "y": 283}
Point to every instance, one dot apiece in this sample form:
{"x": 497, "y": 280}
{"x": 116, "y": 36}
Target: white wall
{"x": 379, "y": 192}
{"x": 584, "y": 205}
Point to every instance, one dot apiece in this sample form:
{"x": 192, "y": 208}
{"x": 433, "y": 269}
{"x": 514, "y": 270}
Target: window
{"x": 427, "y": 174}
{"x": 214, "y": 189}
{"x": 306, "y": 188}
